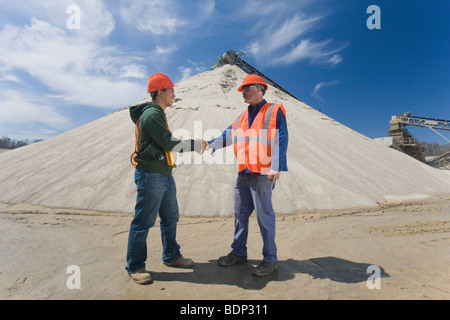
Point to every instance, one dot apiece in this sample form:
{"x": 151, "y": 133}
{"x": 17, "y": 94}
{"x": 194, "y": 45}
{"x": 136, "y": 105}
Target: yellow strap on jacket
{"x": 170, "y": 156}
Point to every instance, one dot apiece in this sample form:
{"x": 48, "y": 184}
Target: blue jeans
{"x": 254, "y": 192}
{"x": 155, "y": 193}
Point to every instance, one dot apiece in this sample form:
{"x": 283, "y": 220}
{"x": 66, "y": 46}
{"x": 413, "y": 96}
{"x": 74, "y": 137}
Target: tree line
{"x": 433, "y": 149}
{"x": 7, "y": 143}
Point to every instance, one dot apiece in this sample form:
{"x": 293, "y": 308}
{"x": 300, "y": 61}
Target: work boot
{"x": 231, "y": 259}
{"x": 180, "y": 263}
{"x": 265, "y": 268}
{"x": 141, "y": 277}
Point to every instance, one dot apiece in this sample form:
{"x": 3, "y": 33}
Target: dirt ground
{"x": 395, "y": 251}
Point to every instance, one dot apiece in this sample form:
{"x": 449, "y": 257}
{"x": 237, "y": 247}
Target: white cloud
{"x": 96, "y": 20}
{"x": 76, "y": 65}
{"x": 290, "y": 31}
{"x": 187, "y": 72}
{"x": 160, "y": 50}
{"x": 280, "y": 38}
{"x": 320, "y": 85}
{"x": 335, "y": 59}
{"x": 10, "y": 78}
{"x": 152, "y": 16}
{"x": 166, "y": 17}
{"x": 133, "y": 71}
{"x": 317, "y": 53}
{"x": 36, "y": 120}
{"x": 45, "y": 68}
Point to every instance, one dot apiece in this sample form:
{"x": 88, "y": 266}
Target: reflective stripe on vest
{"x": 169, "y": 155}
{"x": 254, "y": 146}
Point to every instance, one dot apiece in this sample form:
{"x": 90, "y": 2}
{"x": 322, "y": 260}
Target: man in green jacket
{"x": 154, "y": 160}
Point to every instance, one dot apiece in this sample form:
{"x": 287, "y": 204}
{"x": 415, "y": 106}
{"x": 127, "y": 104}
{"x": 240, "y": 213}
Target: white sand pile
{"x": 330, "y": 166}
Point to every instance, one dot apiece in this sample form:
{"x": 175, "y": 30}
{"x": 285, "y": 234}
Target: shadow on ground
{"x": 335, "y": 269}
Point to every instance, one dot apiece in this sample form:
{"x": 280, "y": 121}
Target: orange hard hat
{"x": 253, "y": 79}
{"x": 159, "y": 81}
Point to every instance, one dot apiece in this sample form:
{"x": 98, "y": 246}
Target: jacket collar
{"x": 257, "y": 107}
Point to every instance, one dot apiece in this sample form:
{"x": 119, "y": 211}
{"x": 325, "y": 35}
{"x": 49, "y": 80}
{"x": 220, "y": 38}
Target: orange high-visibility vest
{"x": 170, "y": 156}
{"x": 254, "y": 146}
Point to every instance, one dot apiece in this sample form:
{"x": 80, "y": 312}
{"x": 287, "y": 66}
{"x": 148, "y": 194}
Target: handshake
{"x": 200, "y": 146}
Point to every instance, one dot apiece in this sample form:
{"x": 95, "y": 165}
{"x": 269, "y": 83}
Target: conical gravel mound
{"x": 330, "y": 166}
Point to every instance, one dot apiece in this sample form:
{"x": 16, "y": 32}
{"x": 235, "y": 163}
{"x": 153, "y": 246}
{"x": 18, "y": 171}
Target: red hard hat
{"x": 253, "y": 79}
{"x": 159, "y": 81}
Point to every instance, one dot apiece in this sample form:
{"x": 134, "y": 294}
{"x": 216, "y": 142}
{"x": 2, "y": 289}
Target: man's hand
{"x": 273, "y": 175}
{"x": 205, "y": 146}
{"x": 200, "y": 146}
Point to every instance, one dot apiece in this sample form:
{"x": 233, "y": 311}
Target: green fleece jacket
{"x": 155, "y": 138}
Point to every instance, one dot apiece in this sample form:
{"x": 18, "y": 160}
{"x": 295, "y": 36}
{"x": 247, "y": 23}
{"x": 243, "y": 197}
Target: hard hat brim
{"x": 253, "y": 79}
{"x": 241, "y": 88}
{"x": 174, "y": 86}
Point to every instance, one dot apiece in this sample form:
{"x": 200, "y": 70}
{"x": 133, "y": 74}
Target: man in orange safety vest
{"x": 260, "y": 139}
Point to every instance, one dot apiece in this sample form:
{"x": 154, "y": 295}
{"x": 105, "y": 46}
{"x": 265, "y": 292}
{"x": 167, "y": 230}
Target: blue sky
{"x": 54, "y": 78}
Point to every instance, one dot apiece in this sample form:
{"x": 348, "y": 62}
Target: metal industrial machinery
{"x": 409, "y": 144}
{"x": 235, "y": 59}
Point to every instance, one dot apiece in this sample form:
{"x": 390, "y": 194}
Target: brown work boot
{"x": 141, "y": 277}
{"x": 180, "y": 263}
